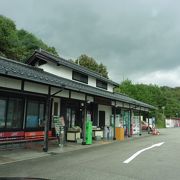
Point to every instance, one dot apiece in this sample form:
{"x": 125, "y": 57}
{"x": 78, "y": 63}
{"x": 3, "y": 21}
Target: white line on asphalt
{"x": 142, "y": 150}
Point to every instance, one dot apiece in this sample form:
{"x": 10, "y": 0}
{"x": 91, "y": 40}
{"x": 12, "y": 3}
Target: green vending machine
{"x": 88, "y": 132}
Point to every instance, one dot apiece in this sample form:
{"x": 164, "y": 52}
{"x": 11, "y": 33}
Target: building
{"x": 32, "y": 94}
{"x": 172, "y": 122}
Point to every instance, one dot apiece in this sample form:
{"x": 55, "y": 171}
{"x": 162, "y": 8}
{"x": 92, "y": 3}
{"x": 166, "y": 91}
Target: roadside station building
{"x": 32, "y": 94}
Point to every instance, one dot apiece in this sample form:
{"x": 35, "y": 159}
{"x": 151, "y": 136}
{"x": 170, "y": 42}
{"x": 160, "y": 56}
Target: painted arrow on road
{"x": 142, "y": 150}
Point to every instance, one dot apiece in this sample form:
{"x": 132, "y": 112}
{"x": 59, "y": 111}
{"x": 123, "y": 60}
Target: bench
{"x": 11, "y": 138}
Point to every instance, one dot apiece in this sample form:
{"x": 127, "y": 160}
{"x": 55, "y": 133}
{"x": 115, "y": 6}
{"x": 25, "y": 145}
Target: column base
{"x": 114, "y": 138}
{"x": 83, "y": 143}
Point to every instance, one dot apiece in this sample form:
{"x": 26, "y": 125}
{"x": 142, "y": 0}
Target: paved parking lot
{"x": 106, "y": 161}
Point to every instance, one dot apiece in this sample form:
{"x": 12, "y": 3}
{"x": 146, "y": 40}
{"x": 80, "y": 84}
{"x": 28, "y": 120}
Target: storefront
{"x": 22, "y": 115}
{"x": 31, "y": 97}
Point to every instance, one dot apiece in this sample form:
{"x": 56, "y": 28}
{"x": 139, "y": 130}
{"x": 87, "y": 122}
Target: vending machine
{"x": 88, "y": 132}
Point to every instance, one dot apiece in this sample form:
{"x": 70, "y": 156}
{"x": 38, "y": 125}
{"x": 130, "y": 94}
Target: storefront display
{"x": 135, "y": 125}
{"x": 126, "y": 122}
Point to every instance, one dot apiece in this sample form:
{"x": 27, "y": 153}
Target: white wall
{"x": 91, "y": 81}
{"x": 119, "y": 104}
{"x": 79, "y": 96}
{"x": 90, "y": 98}
{"x": 66, "y": 72}
{"x": 61, "y": 71}
{"x": 126, "y": 105}
{"x": 110, "y": 87}
{"x": 34, "y": 87}
{"x": 108, "y": 113}
{"x": 63, "y": 93}
{"x": 10, "y": 83}
{"x": 57, "y": 100}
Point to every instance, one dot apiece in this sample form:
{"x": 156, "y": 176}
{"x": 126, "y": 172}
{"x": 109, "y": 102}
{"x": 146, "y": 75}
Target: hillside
{"x": 19, "y": 44}
{"x": 166, "y": 99}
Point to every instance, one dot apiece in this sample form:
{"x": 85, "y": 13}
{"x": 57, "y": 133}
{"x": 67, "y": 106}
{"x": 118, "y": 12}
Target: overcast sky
{"x": 135, "y": 39}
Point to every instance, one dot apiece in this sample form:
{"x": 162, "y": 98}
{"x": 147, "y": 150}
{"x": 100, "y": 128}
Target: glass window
{"x": 55, "y": 108}
{"x": 14, "y": 113}
{"x": 80, "y": 77}
{"x": 101, "y": 84}
{"x": 70, "y": 117}
{"x": 35, "y": 114}
{"x": 41, "y": 115}
{"x": 2, "y": 113}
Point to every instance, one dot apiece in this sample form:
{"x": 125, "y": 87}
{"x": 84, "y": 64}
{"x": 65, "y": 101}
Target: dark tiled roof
{"x": 27, "y": 72}
{"x": 41, "y": 54}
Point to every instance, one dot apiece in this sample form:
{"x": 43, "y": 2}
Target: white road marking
{"x": 142, "y": 150}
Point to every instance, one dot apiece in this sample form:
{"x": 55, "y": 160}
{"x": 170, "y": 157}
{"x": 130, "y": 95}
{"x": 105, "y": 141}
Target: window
{"x": 11, "y": 113}
{"x": 71, "y": 117}
{"x": 2, "y": 113}
{"x": 55, "y": 108}
{"x": 80, "y": 77}
{"x": 35, "y": 114}
{"x": 101, "y": 84}
{"x": 14, "y": 113}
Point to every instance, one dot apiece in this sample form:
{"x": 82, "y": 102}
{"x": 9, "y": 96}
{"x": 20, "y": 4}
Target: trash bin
{"x": 119, "y": 133}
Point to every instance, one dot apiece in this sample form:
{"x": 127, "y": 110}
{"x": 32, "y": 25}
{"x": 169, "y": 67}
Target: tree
{"x": 160, "y": 97}
{"x": 150, "y": 94}
{"x": 18, "y": 44}
{"x": 91, "y": 63}
{"x": 8, "y": 37}
{"x": 28, "y": 43}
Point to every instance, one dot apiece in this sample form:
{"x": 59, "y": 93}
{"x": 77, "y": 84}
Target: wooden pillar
{"x": 84, "y": 121}
{"x": 129, "y": 123}
{"x": 148, "y": 123}
{"x": 47, "y": 119}
{"x": 140, "y": 128}
{"x": 114, "y": 138}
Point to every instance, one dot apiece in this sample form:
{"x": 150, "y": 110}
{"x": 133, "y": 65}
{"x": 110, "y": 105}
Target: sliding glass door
{"x": 11, "y": 113}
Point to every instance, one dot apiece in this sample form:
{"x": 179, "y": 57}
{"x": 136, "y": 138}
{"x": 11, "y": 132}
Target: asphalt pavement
{"x": 107, "y": 161}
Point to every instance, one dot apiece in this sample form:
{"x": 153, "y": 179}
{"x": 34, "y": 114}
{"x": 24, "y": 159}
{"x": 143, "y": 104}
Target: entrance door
{"x": 101, "y": 119}
{"x": 71, "y": 117}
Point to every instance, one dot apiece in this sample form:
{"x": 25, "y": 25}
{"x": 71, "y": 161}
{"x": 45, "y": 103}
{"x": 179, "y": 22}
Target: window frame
{"x": 40, "y": 101}
{"x": 7, "y": 100}
{"x": 83, "y": 77}
{"x": 100, "y": 84}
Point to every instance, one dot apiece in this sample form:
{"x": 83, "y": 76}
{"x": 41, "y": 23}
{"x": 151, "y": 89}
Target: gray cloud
{"x": 132, "y": 38}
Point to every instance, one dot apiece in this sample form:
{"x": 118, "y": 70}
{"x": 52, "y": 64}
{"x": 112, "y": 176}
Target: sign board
{"x": 55, "y": 119}
{"x": 59, "y": 124}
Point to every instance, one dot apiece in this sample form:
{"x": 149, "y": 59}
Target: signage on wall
{"x": 103, "y": 101}
{"x": 55, "y": 119}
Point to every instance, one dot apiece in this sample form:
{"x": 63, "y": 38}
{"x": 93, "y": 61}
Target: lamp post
{"x": 163, "y": 107}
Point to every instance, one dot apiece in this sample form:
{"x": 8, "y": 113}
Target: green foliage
{"x": 8, "y": 37}
{"x": 91, "y": 63}
{"x": 160, "y": 97}
{"x": 18, "y": 44}
{"x": 160, "y": 123}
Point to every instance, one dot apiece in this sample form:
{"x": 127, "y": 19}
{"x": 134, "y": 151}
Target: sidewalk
{"x": 35, "y": 150}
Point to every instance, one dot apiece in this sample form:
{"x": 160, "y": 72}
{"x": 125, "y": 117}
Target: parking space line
{"x": 142, "y": 150}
